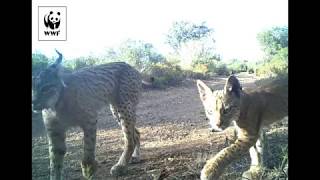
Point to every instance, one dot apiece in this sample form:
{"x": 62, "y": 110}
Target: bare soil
{"x": 175, "y": 140}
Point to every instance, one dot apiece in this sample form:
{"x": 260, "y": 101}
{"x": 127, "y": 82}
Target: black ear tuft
{"x": 233, "y": 85}
{"x": 59, "y": 60}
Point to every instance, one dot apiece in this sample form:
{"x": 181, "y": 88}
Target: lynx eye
{"x": 227, "y": 110}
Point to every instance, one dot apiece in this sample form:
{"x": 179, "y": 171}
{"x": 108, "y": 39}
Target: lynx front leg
{"x": 127, "y": 125}
{"x": 57, "y": 150}
{"x": 214, "y": 167}
{"x": 256, "y": 155}
{"x": 88, "y": 164}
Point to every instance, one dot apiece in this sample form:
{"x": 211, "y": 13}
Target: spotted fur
{"x": 75, "y": 99}
{"x": 250, "y": 110}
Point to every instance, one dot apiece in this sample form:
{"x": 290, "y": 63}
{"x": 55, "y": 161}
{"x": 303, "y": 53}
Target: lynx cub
{"x": 250, "y": 110}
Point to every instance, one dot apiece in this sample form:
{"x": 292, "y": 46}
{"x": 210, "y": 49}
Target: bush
{"x": 39, "y": 63}
{"x": 238, "y": 66}
{"x": 222, "y": 69}
{"x": 139, "y": 54}
{"x": 277, "y": 65}
{"x": 273, "y": 68}
{"x": 82, "y": 62}
{"x": 251, "y": 71}
{"x": 195, "y": 75}
{"x": 164, "y": 74}
{"x": 200, "y": 68}
{"x": 280, "y": 78}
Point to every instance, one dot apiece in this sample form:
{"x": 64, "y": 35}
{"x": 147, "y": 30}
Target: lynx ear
{"x": 232, "y": 86}
{"x": 57, "y": 65}
{"x": 204, "y": 90}
{"x": 59, "y": 60}
{"x": 57, "y": 68}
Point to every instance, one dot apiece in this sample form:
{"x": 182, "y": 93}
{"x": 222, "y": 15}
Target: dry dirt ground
{"x": 175, "y": 140}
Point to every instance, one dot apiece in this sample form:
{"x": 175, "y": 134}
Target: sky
{"x": 95, "y": 25}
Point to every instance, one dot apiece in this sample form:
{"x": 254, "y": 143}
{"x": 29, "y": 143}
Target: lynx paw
{"x": 205, "y": 175}
{"x": 118, "y": 170}
{"x": 135, "y": 159}
{"x": 254, "y": 173}
{"x": 88, "y": 169}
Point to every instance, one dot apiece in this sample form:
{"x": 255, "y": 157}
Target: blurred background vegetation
{"x": 193, "y": 56}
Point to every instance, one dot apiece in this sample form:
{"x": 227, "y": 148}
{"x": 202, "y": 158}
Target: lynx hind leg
{"x": 136, "y": 153}
{"x": 127, "y": 121}
{"x": 256, "y": 155}
{"x": 89, "y": 164}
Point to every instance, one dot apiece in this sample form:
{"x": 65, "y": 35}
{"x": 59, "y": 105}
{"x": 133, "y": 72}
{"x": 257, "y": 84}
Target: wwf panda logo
{"x": 52, "y": 20}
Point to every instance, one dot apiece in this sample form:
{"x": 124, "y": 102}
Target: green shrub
{"x": 39, "y": 62}
{"x": 222, "y": 69}
{"x": 238, "y": 66}
{"x": 164, "y": 74}
{"x": 200, "y": 68}
{"x": 251, "y": 71}
{"x": 195, "y": 75}
{"x": 277, "y": 65}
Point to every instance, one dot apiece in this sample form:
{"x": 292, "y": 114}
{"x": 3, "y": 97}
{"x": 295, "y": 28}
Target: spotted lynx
{"x": 75, "y": 99}
{"x": 250, "y": 111}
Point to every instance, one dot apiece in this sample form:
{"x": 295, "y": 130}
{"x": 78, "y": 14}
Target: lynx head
{"x": 46, "y": 87}
{"x": 221, "y": 106}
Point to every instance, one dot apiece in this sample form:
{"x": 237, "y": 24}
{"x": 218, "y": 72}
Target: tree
{"x": 273, "y": 40}
{"x": 275, "y": 45}
{"x": 111, "y": 55}
{"x": 183, "y": 31}
{"x": 193, "y": 43}
{"x": 39, "y": 62}
{"x": 139, "y": 54}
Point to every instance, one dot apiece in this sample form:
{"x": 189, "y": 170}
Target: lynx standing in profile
{"x": 250, "y": 110}
{"x": 75, "y": 99}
